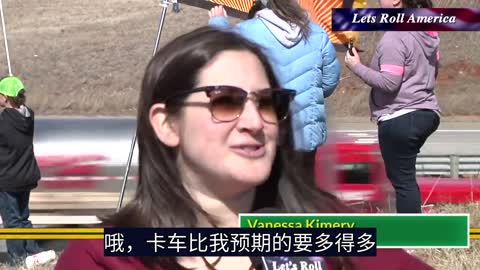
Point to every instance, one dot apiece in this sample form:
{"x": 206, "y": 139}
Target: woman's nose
{"x": 250, "y": 118}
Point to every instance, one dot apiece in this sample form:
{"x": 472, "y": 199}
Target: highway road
{"x": 461, "y": 138}
{"x": 452, "y": 137}
{"x": 442, "y": 142}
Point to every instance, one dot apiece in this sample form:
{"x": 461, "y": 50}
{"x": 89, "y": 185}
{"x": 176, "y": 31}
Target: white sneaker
{"x": 40, "y": 258}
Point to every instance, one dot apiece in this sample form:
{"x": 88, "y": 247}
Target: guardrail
{"x": 84, "y": 200}
{"x": 453, "y": 166}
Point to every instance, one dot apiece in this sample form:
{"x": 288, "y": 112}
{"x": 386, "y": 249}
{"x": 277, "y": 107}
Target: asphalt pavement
{"x": 460, "y": 138}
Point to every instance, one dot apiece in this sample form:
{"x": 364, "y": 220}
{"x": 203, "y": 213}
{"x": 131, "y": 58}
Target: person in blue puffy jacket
{"x": 303, "y": 57}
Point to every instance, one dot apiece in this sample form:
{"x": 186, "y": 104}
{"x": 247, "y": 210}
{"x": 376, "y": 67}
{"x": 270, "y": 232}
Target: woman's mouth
{"x": 250, "y": 151}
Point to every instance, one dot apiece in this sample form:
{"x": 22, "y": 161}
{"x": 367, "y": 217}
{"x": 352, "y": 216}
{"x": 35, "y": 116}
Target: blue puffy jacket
{"x": 308, "y": 66}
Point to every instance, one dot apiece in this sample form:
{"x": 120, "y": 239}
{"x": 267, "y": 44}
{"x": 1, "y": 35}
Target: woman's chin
{"x": 251, "y": 178}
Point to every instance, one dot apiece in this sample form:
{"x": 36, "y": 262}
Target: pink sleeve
{"x": 391, "y": 53}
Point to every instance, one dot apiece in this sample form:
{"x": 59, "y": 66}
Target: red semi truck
{"x": 354, "y": 170}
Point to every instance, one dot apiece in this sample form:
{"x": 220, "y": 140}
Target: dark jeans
{"x": 15, "y": 213}
{"x": 400, "y": 141}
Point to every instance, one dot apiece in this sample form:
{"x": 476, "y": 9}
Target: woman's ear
{"x": 163, "y": 126}
{"x": 4, "y": 103}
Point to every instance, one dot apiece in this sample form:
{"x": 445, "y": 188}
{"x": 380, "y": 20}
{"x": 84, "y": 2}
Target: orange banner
{"x": 242, "y": 5}
{"x": 321, "y": 12}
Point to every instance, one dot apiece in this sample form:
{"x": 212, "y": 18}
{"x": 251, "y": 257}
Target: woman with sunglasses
{"x": 214, "y": 140}
{"x": 303, "y": 59}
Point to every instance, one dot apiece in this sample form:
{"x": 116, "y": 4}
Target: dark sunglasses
{"x": 227, "y": 102}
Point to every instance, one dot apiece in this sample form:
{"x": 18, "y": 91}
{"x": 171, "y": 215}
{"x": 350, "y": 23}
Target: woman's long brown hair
{"x": 287, "y": 10}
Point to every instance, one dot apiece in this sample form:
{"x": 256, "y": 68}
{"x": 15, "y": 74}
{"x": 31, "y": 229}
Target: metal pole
{"x": 5, "y": 39}
{"x": 165, "y": 4}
